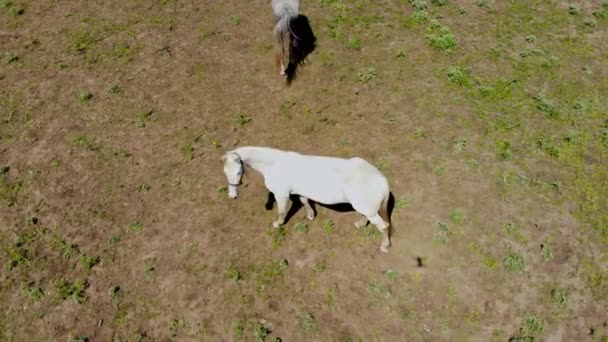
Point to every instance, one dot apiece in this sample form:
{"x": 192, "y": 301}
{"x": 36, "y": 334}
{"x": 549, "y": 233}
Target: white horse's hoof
{"x": 384, "y": 248}
{"x": 360, "y": 224}
{"x": 276, "y": 224}
{"x": 310, "y": 217}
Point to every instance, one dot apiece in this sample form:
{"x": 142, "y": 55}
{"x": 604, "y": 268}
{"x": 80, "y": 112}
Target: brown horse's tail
{"x": 384, "y": 207}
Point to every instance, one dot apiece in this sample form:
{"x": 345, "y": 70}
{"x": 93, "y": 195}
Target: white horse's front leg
{"x": 282, "y": 208}
{"x": 383, "y": 228}
{"x": 310, "y": 213}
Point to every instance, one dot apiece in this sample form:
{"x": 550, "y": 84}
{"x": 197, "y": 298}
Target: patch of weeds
{"x": 490, "y": 262}
{"x": 10, "y": 58}
{"x": 514, "y": 262}
{"x": 473, "y": 163}
{"x": 440, "y": 37}
{"x": 278, "y": 236}
{"x": 370, "y": 231}
{"x": 546, "y": 249}
{"x": 114, "y": 292}
{"x": 235, "y": 20}
{"x": 233, "y": 274}
{"x": 332, "y": 296}
{"x": 88, "y": 262}
{"x": 114, "y": 89}
{"x": 420, "y": 16}
{"x": 402, "y": 203}
{"x": 419, "y": 133}
{"x": 65, "y": 249}
{"x": 343, "y": 141}
{"x": 438, "y": 170}
{"x": 443, "y": 233}
{"x": 320, "y": 266}
{"x": 602, "y": 12}
{"x": 514, "y": 231}
{"x": 392, "y": 275}
{"x": 260, "y": 332}
{"x": 545, "y": 145}
{"x": 531, "y": 38}
{"x": 84, "y": 96}
{"x": 543, "y": 105}
{"x": 74, "y": 289}
{"x": 242, "y": 119}
{"x": 144, "y": 117}
{"x": 401, "y": 54}
{"x": 222, "y": 190}
{"x": 354, "y": 44}
{"x": 458, "y": 217}
{"x": 459, "y": 144}
{"x": 574, "y": 9}
{"x": 188, "y": 151}
{"x": 301, "y": 227}
{"x": 12, "y": 8}
{"x": 329, "y": 226}
{"x": 286, "y": 106}
{"x": 485, "y": 4}
{"x": 559, "y": 297}
{"x": 376, "y": 289}
{"x": 143, "y": 188}
{"x": 503, "y": 150}
{"x": 365, "y": 75}
{"x": 439, "y": 2}
{"x": 550, "y": 62}
{"x": 135, "y": 227}
{"x": 531, "y": 326}
{"x": 35, "y": 293}
{"x": 269, "y": 274}
{"x": 308, "y": 323}
{"x": 458, "y": 75}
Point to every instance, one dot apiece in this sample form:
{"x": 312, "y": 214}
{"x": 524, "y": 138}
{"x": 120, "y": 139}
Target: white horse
{"x": 326, "y": 180}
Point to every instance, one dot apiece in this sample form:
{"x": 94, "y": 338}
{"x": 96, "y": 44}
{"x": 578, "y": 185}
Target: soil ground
{"x": 489, "y": 118}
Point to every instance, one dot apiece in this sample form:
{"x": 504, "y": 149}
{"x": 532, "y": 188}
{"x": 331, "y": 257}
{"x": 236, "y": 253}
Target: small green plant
{"x": 458, "y": 75}
{"x": 514, "y": 231}
{"x": 514, "y": 262}
{"x": 84, "y": 96}
{"x": 72, "y": 289}
{"x": 88, "y": 262}
{"x": 329, "y": 226}
{"x": 222, "y": 190}
{"x": 260, "y": 332}
{"x": 419, "y": 133}
{"x": 33, "y": 292}
{"x": 9, "y": 58}
{"x": 531, "y": 38}
{"x": 439, "y": 2}
{"x": 320, "y": 266}
{"x": 574, "y": 9}
{"x": 473, "y": 163}
{"x": 459, "y": 144}
{"x": 546, "y": 250}
{"x": 233, "y": 274}
{"x": 503, "y": 149}
{"x": 559, "y": 297}
{"x": 443, "y": 233}
{"x": 531, "y": 326}
{"x": 114, "y": 292}
{"x": 438, "y": 170}
{"x": 114, "y": 89}
{"x": 543, "y": 105}
{"x": 269, "y": 274}
{"x": 458, "y": 217}
{"x": 365, "y": 75}
{"x": 402, "y": 203}
{"x": 485, "y": 4}
{"x": 235, "y": 20}
{"x": 354, "y": 44}
{"x": 420, "y": 16}
{"x": 401, "y": 54}
{"x": 278, "y": 236}
{"x": 392, "y": 275}
{"x": 301, "y": 227}
{"x": 332, "y": 296}
{"x": 308, "y": 323}
{"x": 440, "y": 37}
{"x": 188, "y": 151}
{"x": 242, "y": 119}
{"x": 135, "y": 227}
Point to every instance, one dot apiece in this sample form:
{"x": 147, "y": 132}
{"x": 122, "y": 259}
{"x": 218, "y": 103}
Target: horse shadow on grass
{"x": 296, "y": 205}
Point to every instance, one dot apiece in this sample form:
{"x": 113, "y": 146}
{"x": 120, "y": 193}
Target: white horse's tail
{"x": 384, "y": 207}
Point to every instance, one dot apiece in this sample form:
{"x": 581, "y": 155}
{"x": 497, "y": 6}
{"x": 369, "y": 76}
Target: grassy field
{"x": 489, "y": 118}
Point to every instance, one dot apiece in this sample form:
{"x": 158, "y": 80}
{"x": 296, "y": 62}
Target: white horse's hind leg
{"x": 310, "y": 213}
{"x": 383, "y": 228}
{"x": 282, "y": 208}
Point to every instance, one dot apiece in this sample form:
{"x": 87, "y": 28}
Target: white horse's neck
{"x": 258, "y": 158}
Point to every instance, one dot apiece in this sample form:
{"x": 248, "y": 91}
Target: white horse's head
{"x": 233, "y": 168}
